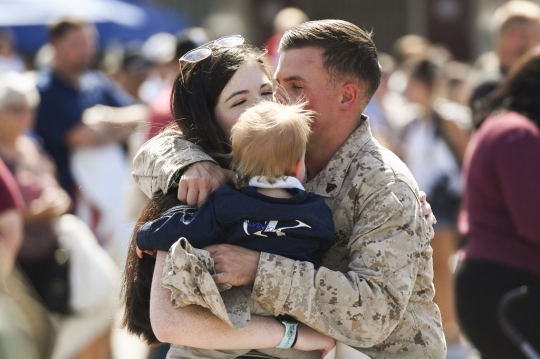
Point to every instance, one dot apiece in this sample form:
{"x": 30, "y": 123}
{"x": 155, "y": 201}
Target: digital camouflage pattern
{"x": 375, "y": 288}
{"x": 187, "y": 273}
{"x": 158, "y": 162}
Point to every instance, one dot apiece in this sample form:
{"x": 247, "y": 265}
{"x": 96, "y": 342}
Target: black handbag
{"x": 50, "y": 277}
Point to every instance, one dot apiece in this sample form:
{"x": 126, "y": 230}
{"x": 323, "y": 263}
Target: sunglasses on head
{"x": 204, "y": 51}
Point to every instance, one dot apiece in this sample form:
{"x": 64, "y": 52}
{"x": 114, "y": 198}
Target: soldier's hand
{"x": 428, "y": 214}
{"x": 233, "y": 264}
{"x": 200, "y": 179}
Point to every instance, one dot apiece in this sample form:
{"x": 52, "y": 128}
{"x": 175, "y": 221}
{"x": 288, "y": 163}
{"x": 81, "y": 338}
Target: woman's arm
{"x": 197, "y": 327}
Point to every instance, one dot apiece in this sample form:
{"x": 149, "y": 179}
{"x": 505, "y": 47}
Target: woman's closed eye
{"x": 238, "y": 103}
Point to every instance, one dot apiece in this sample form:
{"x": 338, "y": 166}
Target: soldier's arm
{"x": 157, "y": 165}
{"x": 197, "y": 327}
{"x": 362, "y": 306}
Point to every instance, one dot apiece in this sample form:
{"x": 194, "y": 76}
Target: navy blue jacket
{"x": 300, "y": 227}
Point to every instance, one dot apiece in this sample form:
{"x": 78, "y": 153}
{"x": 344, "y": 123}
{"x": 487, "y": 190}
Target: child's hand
{"x": 147, "y": 251}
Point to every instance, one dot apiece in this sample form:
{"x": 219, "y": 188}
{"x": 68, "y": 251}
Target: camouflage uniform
{"x": 375, "y": 289}
{"x": 188, "y": 274}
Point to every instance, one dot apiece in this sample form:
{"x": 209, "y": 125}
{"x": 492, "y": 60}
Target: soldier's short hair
{"x": 269, "y": 139}
{"x": 348, "y": 50}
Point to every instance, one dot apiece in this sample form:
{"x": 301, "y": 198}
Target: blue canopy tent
{"x": 116, "y": 21}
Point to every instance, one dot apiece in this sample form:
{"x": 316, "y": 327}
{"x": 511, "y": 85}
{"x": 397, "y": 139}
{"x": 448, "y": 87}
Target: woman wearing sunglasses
{"x": 215, "y": 85}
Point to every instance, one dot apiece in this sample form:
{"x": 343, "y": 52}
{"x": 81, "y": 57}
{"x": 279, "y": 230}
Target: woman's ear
{"x": 350, "y": 93}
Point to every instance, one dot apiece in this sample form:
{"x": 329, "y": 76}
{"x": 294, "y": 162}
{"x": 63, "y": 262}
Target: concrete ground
{"x": 125, "y": 345}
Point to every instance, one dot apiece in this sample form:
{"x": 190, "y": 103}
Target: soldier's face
{"x": 302, "y": 77}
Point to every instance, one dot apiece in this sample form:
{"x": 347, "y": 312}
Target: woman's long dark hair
{"x": 195, "y": 93}
{"x": 520, "y": 92}
{"x": 138, "y": 273}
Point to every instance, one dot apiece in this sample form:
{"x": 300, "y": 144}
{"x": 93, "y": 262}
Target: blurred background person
{"x": 500, "y": 214}
{"x": 434, "y": 143}
{"x": 43, "y": 257}
{"x": 164, "y": 50}
{"x": 160, "y": 107}
{"x": 159, "y": 49}
{"x": 11, "y": 207}
{"x": 84, "y": 120}
{"x": 10, "y": 60}
{"x": 407, "y": 50}
{"x": 458, "y": 82}
{"x": 387, "y": 108}
{"x": 15, "y": 333}
{"x": 129, "y": 68}
{"x": 515, "y": 29}
{"x": 284, "y": 20}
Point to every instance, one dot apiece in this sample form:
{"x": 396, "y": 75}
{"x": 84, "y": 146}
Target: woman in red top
{"x": 501, "y": 215}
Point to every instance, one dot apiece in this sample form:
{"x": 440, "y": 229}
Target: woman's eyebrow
{"x": 236, "y": 94}
{"x": 241, "y": 92}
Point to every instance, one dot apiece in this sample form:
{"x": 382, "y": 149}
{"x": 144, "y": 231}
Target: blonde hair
{"x": 269, "y": 139}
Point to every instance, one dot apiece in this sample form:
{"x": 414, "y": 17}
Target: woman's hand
{"x": 310, "y": 339}
{"x": 426, "y": 211}
{"x": 200, "y": 179}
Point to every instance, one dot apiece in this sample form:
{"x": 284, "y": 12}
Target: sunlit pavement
{"x": 125, "y": 345}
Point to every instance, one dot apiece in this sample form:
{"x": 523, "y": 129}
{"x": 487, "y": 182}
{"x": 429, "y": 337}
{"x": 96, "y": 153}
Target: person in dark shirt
{"x": 80, "y": 107}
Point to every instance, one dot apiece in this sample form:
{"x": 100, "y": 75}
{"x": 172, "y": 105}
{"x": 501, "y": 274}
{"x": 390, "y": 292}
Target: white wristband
{"x": 289, "y": 339}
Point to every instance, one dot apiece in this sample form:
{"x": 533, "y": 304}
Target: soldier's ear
{"x": 350, "y": 93}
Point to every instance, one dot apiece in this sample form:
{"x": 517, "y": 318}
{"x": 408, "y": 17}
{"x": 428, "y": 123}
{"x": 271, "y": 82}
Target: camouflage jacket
{"x": 375, "y": 288}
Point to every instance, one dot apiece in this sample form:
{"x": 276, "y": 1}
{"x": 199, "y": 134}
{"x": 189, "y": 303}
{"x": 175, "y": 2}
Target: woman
{"x": 44, "y": 198}
{"x": 46, "y": 256}
{"x": 433, "y": 147}
{"x": 208, "y": 97}
{"x": 500, "y": 215}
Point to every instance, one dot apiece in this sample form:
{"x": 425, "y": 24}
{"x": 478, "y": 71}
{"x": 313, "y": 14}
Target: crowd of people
{"x": 103, "y": 165}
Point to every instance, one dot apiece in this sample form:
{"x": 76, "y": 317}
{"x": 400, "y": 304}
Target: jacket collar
{"x": 329, "y": 181}
{"x": 283, "y": 182}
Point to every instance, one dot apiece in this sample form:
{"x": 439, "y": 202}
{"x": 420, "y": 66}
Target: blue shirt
{"x": 61, "y": 108}
{"x": 300, "y": 227}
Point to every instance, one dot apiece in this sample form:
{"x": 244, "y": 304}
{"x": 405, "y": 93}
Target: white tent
{"x": 38, "y": 12}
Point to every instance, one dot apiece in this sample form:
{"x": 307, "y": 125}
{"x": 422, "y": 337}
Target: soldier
{"x": 374, "y": 290}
